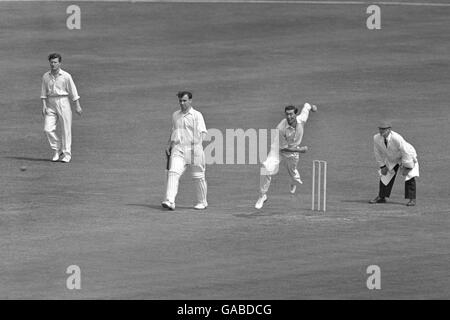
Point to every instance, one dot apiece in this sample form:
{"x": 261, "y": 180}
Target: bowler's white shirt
{"x": 290, "y": 137}
{"x": 187, "y": 128}
{"x": 60, "y": 85}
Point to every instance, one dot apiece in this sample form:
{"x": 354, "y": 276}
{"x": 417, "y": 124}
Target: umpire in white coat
{"x": 392, "y": 154}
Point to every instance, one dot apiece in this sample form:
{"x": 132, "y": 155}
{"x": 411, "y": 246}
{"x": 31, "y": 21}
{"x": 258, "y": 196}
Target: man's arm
{"x": 44, "y": 107}
{"x": 78, "y": 107}
{"x": 298, "y": 149}
{"x": 171, "y": 141}
{"x": 72, "y": 89}
{"x": 304, "y": 114}
{"x": 409, "y": 157}
{"x": 169, "y": 147}
{"x": 44, "y": 96}
{"x": 378, "y": 153}
{"x": 378, "y": 156}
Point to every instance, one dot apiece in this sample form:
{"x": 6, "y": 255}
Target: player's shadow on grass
{"x": 29, "y": 159}
{"x": 256, "y": 214}
{"x": 158, "y": 207}
{"x": 388, "y": 202}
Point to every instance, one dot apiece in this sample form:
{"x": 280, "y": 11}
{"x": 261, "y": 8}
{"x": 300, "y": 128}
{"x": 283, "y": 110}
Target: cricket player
{"x": 185, "y": 148}
{"x": 57, "y": 88}
{"x": 392, "y": 154}
{"x": 287, "y": 145}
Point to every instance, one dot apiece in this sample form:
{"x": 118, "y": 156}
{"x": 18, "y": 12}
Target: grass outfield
{"x": 243, "y": 62}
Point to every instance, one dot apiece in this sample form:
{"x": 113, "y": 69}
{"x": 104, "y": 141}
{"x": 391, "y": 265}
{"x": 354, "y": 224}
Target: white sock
{"x": 172, "y": 186}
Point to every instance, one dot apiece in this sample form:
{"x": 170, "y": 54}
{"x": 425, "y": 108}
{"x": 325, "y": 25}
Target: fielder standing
{"x": 57, "y": 88}
{"x": 392, "y": 153}
{"x": 290, "y": 131}
{"x": 185, "y": 148}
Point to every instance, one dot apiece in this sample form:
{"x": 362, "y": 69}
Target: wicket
{"x": 319, "y": 164}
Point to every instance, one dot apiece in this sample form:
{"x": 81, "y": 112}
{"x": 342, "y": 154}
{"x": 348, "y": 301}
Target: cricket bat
{"x": 167, "y": 161}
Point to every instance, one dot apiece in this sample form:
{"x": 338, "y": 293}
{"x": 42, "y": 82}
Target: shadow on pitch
{"x": 29, "y": 159}
{"x": 157, "y": 207}
{"x": 257, "y": 214}
{"x": 365, "y": 201}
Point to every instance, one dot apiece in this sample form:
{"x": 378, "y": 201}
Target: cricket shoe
{"x": 259, "y": 204}
{"x": 168, "y": 205}
{"x": 66, "y": 159}
{"x": 293, "y": 188}
{"x": 201, "y": 206}
{"x": 56, "y": 156}
{"x": 378, "y": 199}
{"x": 411, "y": 203}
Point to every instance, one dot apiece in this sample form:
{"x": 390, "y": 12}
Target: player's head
{"x": 384, "y": 128}
{"x": 55, "y": 60}
{"x": 290, "y": 112}
{"x": 184, "y": 99}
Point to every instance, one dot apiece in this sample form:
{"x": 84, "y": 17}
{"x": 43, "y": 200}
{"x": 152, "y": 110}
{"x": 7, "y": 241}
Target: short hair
{"x": 181, "y": 94}
{"x": 52, "y": 56}
{"x": 291, "y": 107}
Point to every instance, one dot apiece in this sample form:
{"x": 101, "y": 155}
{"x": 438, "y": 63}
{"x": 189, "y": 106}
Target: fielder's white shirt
{"x": 61, "y": 85}
{"x": 187, "y": 128}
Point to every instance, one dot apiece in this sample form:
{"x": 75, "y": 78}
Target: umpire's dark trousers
{"x": 410, "y": 187}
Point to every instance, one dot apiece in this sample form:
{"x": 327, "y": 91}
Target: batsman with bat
{"x": 287, "y": 144}
{"x": 185, "y": 148}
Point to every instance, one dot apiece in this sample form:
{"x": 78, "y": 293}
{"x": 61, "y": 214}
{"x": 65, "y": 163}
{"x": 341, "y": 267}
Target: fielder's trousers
{"x": 58, "y": 111}
{"x": 410, "y": 187}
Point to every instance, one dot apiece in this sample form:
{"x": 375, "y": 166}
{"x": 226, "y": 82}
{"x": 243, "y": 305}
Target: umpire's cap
{"x": 384, "y": 124}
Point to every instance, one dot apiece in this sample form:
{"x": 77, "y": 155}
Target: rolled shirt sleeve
{"x": 201, "y": 126}
{"x": 72, "y": 89}
{"x": 61, "y": 85}
{"x": 187, "y": 128}
{"x": 304, "y": 114}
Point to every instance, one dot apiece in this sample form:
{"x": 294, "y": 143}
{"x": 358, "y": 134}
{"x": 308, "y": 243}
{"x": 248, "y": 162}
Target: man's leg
{"x": 410, "y": 188}
{"x": 50, "y": 121}
{"x": 201, "y": 188}
{"x": 410, "y": 191}
{"x": 66, "y": 127}
{"x": 291, "y": 166}
{"x": 264, "y": 183}
{"x": 268, "y": 169}
{"x": 385, "y": 190}
{"x": 177, "y": 167}
{"x": 198, "y": 169}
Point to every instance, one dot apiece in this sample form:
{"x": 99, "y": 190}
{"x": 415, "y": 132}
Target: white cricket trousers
{"x": 179, "y": 161}
{"x": 58, "y": 111}
{"x": 271, "y": 165}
